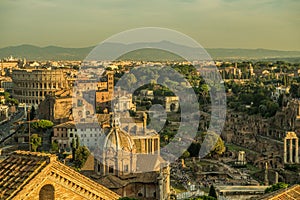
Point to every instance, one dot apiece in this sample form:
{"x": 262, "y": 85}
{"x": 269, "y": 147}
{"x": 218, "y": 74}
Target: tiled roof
{"x": 70, "y": 124}
{"x": 103, "y": 118}
{"x": 115, "y": 182}
{"x": 18, "y": 169}
{"x": 89, "y": 163}
{"x": 112, "y": 181}
{"x": 148, "y": 162}
{"x": 63, "y": 93}
{"x": 290, "y": 193}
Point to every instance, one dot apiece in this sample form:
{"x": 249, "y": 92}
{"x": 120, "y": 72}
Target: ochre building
{"x": 31, "y": 86}
{"x": 39, "y": 176}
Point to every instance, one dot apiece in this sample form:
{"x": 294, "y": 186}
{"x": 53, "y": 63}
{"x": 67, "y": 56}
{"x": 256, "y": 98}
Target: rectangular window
{"x": 111, "y": 169}
{"x": 126, "y": 168}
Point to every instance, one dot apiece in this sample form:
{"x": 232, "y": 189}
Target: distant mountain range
{"x": 31, "y": 52}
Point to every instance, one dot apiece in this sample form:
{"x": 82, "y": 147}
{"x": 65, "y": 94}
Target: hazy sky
{"x": 271, "y": 24}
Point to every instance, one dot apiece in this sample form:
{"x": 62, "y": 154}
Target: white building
{"x": 66, "y": 133}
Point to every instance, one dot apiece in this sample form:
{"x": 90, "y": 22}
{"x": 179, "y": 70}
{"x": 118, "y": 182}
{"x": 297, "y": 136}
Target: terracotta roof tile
{"x": 17, "y": 170}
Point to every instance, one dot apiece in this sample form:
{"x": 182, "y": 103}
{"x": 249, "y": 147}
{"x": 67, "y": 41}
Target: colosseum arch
{"x": 47, "y": 192}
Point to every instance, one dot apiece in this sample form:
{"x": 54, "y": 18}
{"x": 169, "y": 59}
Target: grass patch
{"x": 232, "y": 147}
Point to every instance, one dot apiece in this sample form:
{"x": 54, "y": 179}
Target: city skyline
{"x": 268, "y": 24}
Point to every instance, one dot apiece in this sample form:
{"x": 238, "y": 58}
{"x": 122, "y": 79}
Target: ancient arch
{"x": 171, "y": 104}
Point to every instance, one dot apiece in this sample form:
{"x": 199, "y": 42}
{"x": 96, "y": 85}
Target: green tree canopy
{"x": 35, "y": 141}
{"x": 42, "y": 124}
{"x": 212, "y": 192}
{"x": 276, "y": 186}
{"x": 82, "y": 154}
{"x": 54, "y": 146}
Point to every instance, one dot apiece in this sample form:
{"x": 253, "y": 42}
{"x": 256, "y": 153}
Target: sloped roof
{"x": 112, "y": 182}
{"x": 290, "y": 193}
{"x": 69, "y": 124}
{"x": 149, "y": 162}
{"x": 16, "y": 171}
{"x": 115, "y": 182}
{"x": 19, "y": 169}
{"x": 89, "y": 163}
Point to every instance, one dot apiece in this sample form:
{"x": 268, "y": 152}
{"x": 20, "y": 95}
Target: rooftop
{"x": 19, "y": 169}
{"x": 290, "y": 193}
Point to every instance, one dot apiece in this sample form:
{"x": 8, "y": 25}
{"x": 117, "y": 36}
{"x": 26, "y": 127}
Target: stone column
{"x": 158, "y": 146}
{"x": 285, "y": 151}
{"x": 291, "y": 151}
{"x": 296, "y": 151}
{"x": 153, "y": 147}
{"x": 266, "y": 174}
{"x": 276, "y": 177}
{"x": 146, "y": 145}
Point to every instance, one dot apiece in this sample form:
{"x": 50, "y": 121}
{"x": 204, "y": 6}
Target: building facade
{"x": 40, "y": 176}
{"x": 88, "y": 134}
{"x": 31, "y": 86}
{"x": 131, "y": 165}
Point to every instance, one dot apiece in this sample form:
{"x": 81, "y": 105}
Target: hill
{"x": 31, "y": 52}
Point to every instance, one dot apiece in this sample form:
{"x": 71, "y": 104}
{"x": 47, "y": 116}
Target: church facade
{"x": 39, "y": 176}
{"x": 131, "y": 165}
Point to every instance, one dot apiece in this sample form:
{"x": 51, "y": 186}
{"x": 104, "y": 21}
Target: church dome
{"x": 118, "y": 140}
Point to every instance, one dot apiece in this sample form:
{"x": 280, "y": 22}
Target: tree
{"x": 276, "y": 186}
{"x": 75, "y": 145}
{"x": 81, "y": 156}
{"x": 130, "y": 80}
{"x": 42, "y": 124}
{"x": 212, "y": 192}
{"x": 54, "y": 146}
{"x": 35, "y": 142}
{"x": 294, "y": 91}
{"x": 194, "y": 149}
{"x": 214, "y": 143}
{"x": 32, "y": 113}
{"x": 12, "y": 101}
{"x": 185, "y": 154}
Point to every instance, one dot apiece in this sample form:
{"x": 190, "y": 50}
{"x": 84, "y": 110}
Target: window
{"x": 126, "y": 168}
{"x": 111, "y": 169}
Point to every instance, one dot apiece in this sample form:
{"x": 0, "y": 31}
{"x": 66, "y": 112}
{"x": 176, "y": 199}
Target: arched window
{"x": 46, "y": 192}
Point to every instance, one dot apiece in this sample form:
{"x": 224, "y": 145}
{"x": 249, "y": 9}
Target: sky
{"x": 268, "y": 24}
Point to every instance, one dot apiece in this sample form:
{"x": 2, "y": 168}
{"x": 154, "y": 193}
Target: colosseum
{"x": 31, "y": 86}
